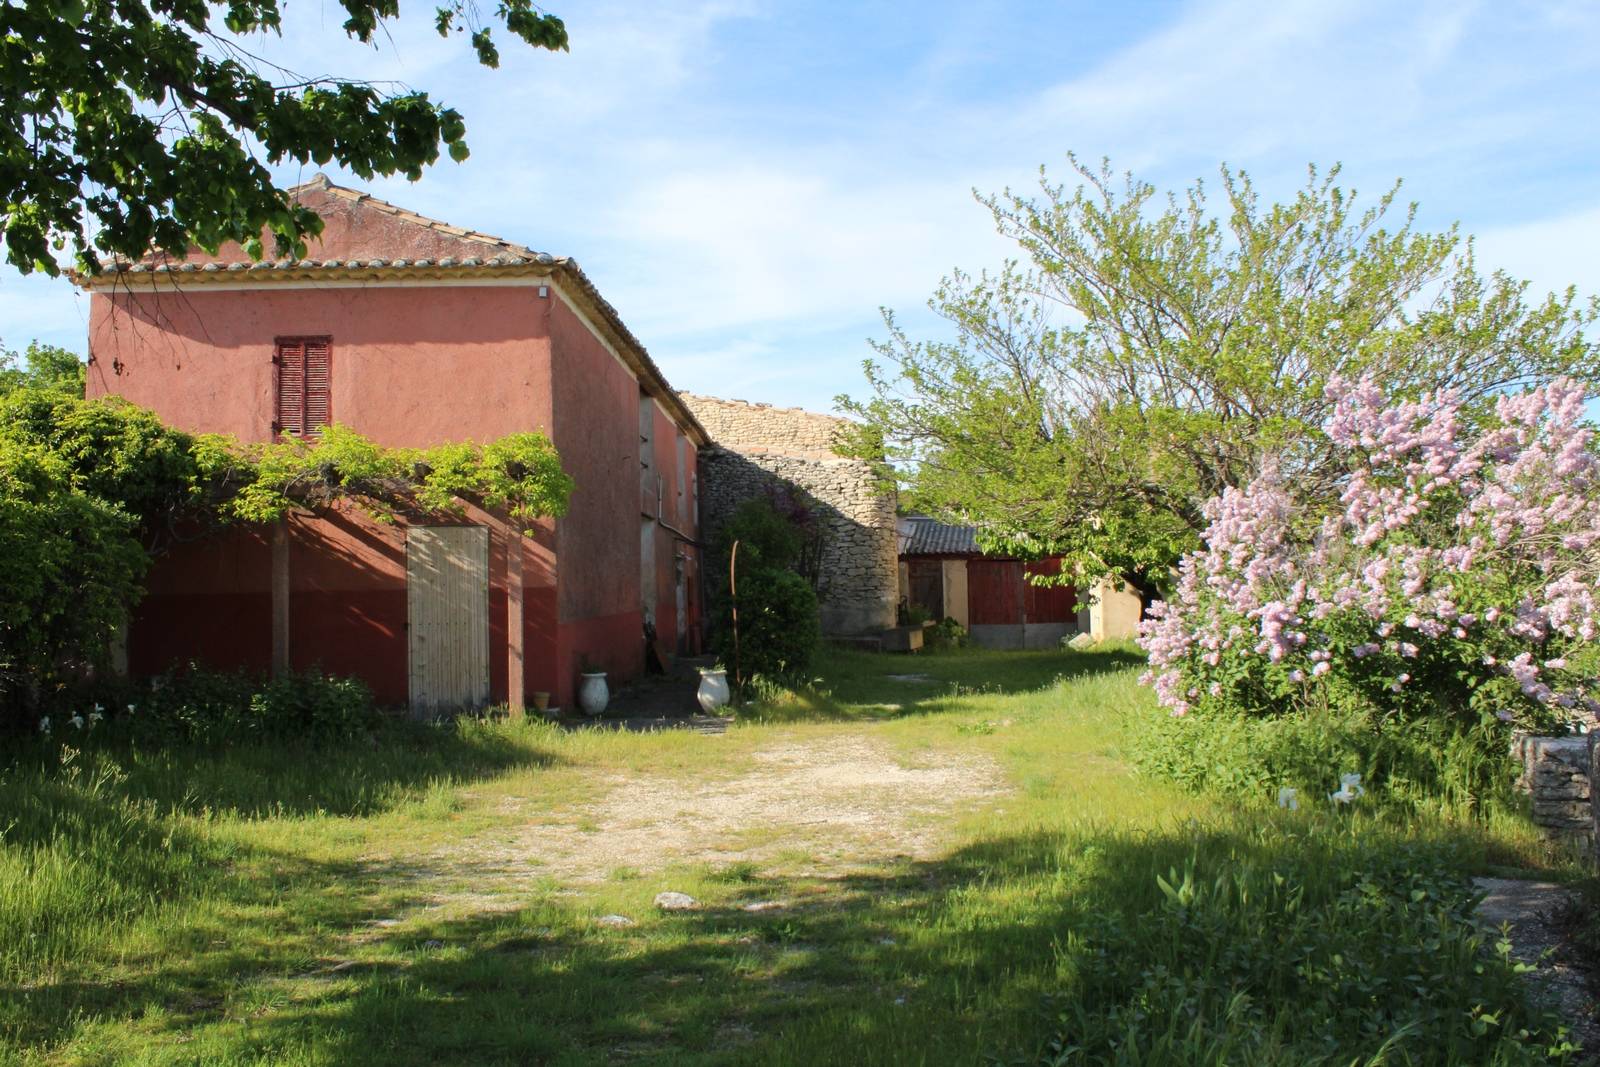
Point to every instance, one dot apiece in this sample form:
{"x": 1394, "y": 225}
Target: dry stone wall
{"x": 1556, "y": 774}
{"x": 757, "y": 448}
{"x": 759, "y": 429}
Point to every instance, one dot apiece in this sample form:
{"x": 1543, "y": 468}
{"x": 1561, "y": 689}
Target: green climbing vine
{"x": 520, "y": 473}
{"x": 92, "y": 490}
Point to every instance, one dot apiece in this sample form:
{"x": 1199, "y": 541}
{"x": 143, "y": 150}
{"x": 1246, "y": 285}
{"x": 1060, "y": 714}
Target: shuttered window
{"x": 305, "y": 385}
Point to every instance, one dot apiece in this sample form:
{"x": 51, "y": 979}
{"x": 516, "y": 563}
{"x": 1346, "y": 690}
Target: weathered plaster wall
{"x": 758, "y": 447}
{"x": 1114, "y": 610}
{"x": 955, "y": 591}
{"x": 411, "y": 367}
{"x": 668, "y": 491}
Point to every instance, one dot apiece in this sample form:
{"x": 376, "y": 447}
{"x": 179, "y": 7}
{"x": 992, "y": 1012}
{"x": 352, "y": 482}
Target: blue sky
{"x": 749, "y": 182}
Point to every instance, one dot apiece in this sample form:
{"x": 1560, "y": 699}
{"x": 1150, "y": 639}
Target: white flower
{"x": 95, "y": 716}
{"x": 1350, "y": 788}
{"x": 76, "y": 720}
{"x": 44, "y": 725}
{"x": 98, "y": 709}
{"x": 1287, "y": 799}
{"x": 130, "y": 709}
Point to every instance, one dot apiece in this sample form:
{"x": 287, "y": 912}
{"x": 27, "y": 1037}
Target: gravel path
{"x": 1527, "y": 910}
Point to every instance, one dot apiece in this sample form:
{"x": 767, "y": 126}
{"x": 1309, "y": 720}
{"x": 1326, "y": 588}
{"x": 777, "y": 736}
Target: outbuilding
{"x": 943, "y": 572}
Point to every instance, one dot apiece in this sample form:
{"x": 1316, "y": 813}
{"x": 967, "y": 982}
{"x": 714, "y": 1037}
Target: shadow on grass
{"x": 1340, "y": 940}
{"x": 361, "y": 776}
{"x": 95, "y": 840}
{"x": 862, "y": 686}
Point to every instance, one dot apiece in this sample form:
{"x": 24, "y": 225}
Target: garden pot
{"x": 541, "y": 702}
{"x": 713, "y": 692}
{"x": 593, "y": 693}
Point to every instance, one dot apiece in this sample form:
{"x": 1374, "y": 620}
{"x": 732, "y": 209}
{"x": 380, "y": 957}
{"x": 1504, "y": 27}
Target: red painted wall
{"x": 999, "y": 594}
{"x": 208, "y": 601}
{"x": 994, "y": 592}
{"x": 410, "y": 366}
{"x": 596, "y": 419}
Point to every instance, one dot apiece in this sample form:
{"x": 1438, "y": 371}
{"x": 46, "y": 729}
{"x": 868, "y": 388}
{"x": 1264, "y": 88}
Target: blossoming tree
{"x": 1456, "y": 572}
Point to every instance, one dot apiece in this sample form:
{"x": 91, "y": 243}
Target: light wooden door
{"x": 447, "y": 611}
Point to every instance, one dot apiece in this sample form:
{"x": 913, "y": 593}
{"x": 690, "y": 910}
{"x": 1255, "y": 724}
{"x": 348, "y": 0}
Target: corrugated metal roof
{"x": 928, "y": 537}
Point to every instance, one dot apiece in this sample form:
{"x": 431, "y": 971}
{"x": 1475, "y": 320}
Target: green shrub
{"x": 1420, "y": 762}
{"x": 199, "y": 706}
{"x": 1333, "y": 952}
{"x": 767, "y": 538}
{"x": 947, "y": 633}
{"x": 779, "y": 628}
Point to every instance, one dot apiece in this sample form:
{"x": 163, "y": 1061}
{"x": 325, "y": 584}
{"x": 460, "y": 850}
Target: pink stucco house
{"x": 414, "y": 333}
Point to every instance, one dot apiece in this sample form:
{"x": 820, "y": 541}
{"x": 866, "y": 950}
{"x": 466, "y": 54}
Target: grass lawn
{"x": 957, "y": 868}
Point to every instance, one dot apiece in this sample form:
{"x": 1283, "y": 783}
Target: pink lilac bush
{"x": 1456, "y": 573}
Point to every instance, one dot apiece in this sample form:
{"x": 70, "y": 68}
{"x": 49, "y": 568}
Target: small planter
{"x": 593, "y": 693}
{"x": 713, "y": 692}
{"x": 541, "y": 703}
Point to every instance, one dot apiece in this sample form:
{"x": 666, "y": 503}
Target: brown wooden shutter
{"x": 305, "y": 385}
{"x": 319, "y": 386}
{"x": 291, "y": 360}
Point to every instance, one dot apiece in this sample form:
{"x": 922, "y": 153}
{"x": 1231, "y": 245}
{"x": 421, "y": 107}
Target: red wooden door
{"x": 1049, "y": 603}
{"x": 994, "y": 592}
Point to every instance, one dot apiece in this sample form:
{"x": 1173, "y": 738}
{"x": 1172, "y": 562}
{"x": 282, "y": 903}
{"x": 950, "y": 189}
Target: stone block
{"x": 901, "y": 639}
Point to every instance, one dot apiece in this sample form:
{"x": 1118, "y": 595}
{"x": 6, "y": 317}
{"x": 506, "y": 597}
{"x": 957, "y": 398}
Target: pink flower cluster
{"x": 1456, "y": 559}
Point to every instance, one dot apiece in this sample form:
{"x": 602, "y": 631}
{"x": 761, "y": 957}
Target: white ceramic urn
{"x": 593, "y": 693}
{"x": 713, "y": 692}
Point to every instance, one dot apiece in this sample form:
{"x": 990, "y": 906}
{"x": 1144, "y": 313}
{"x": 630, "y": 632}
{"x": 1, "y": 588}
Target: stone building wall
{"x": 757, "y": 447}
{"x": 1556, "y": 773}
{"x": 756, "y": 429}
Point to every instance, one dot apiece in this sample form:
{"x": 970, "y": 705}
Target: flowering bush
{"x": 1456, "y": 572}
{"x": 200, "y": 706}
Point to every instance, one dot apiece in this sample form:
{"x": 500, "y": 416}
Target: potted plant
{"x": 593, "y": 693}
{"x": 541, "y": 702}
{"x": 713, "y": 692}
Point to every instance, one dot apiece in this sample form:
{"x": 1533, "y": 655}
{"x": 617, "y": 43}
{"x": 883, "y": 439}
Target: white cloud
{"x": 746, "y": 243}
